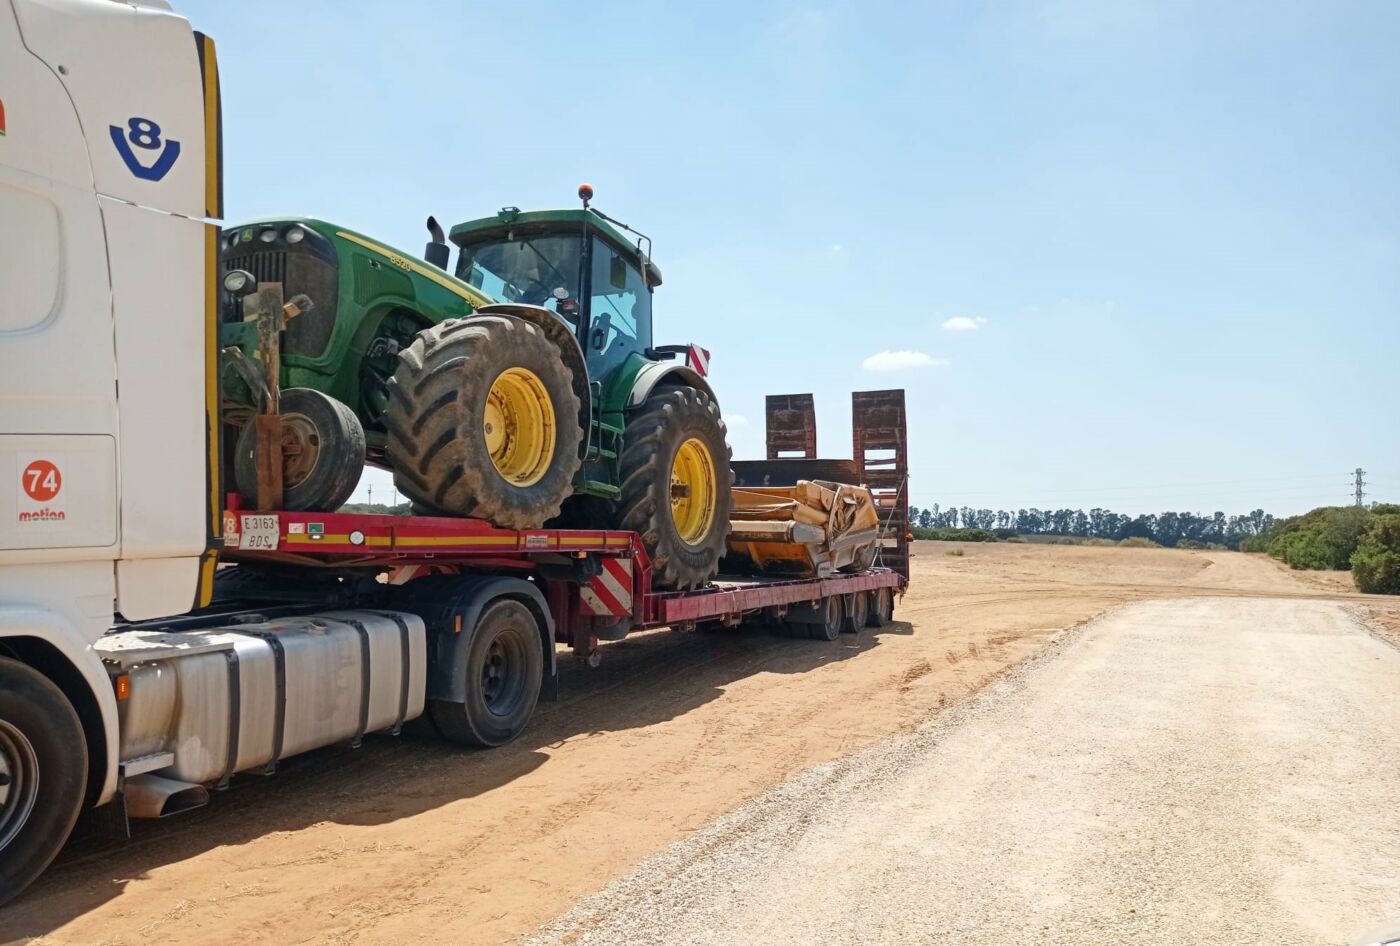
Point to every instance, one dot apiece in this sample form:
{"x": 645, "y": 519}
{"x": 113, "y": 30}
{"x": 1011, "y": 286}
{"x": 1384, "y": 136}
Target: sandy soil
{"x": 407, "y": 838}
{"x": 1199, "y": 770}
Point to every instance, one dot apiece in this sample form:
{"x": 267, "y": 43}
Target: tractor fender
{"x": 569, "y": 349}
{"x": 447, "y": 602}
{"x": 659, "y": 373}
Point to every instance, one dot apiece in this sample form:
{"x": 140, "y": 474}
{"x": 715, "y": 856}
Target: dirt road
{"x": 409, "y": 838}
{"x": 1208, "y": 770}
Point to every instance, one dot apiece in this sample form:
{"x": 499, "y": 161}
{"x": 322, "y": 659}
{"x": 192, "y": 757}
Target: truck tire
{"x": 675, "y": 485}
{"x": 43, "y": 774}
{"x": 324, "y": 446}
{"x": 881, "y": 607}
{"x": 505, "y": 665}
{"x": 483, "y": 422}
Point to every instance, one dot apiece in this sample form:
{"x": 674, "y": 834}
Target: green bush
{"x": 1255, "y": 543}
{"x": 1302, "y": 550}
{"x": 1138, "y": 542}
{"x": 1376, "y": 562}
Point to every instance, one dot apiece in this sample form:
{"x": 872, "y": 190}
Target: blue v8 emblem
{"x": 145, "y": 134}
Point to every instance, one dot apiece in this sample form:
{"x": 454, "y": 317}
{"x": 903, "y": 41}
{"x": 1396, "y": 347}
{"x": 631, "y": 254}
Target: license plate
{"x": 259, "y": 533}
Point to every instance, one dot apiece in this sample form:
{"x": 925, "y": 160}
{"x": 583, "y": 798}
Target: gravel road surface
{"x": 1200, "y": 770}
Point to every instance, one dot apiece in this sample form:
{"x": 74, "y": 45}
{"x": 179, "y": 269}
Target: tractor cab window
{"x": 620, "y": 306}
{"x": 528, "y": 269}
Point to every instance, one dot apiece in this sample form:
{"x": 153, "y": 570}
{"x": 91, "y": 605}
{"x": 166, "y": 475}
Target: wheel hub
{"x": 19, "y": 782}
{"x": 694, "y": 491}
{"x": 518, "y": 426}
{"x": 301, "y": 449}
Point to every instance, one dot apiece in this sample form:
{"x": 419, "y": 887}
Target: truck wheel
{"x": 43, "y": 774}
{"x": 675, "y": 485}
{"x": 881, "y": 607}
{"x": 505, "y": 665}
{"x": 855, "y": 612}
{"x": 323, "y": 453}
{"x": 483, "y": 422}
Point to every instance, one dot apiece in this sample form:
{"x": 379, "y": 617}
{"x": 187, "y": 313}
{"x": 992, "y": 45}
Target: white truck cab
{"x": 109, "y": 182}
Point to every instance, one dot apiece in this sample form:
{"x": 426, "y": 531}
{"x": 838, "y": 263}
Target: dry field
{"x": 407, "y": 839}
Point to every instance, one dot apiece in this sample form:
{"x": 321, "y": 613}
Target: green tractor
{"x": 523, "y": 388}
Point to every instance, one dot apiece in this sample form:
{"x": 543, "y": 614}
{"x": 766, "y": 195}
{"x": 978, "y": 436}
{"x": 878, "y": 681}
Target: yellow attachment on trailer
{"x": 812, "y": 529}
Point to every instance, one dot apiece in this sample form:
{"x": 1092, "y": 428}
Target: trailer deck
{"x": 594, "y": 579}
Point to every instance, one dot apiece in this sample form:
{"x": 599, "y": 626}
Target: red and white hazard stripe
{"x": 610, "y": 592}
{"x": 699, "y": 359}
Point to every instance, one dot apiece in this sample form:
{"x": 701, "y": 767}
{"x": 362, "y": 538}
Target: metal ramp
{"x": 880, "y": 445}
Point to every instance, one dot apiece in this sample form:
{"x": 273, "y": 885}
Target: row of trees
{"x": 1167, "y": 528}
{"x": 1366, "y": 540}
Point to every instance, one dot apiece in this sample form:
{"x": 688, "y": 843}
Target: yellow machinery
{"x": 814, "y": 528}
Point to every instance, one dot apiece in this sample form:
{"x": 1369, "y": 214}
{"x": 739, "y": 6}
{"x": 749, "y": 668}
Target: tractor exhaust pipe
{"x": 151, "y": 796}
{"x": 436, "y": 251}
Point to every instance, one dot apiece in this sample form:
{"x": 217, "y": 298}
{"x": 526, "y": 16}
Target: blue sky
{"x": 1167, "y": 235}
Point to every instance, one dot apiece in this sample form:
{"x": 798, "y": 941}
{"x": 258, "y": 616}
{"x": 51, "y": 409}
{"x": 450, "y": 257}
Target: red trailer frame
{"x": 597, "y": 583}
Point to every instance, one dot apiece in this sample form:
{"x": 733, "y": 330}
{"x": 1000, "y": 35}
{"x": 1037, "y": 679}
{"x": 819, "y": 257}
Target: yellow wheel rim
{"x": 694, "y": 492}
{"x": 519, "y": 426}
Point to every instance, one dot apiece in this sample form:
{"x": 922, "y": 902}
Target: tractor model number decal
{"x": 144, "y": 134}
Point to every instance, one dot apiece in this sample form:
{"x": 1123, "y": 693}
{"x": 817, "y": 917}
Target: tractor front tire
{"x": 483, "y": 422}
{"x": 323, "y": 446}
{"x": 675, "y": 485}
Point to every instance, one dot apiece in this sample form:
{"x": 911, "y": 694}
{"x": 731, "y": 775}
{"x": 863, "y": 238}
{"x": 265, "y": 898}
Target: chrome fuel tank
{"x": 232, "y": 699}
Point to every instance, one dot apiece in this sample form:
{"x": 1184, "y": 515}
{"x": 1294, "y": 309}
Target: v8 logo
{"x": 145, "y": 134}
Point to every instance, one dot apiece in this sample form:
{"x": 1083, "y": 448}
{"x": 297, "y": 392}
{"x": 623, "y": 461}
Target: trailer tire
{"x": 483, "y": 422}
{"x": 505, "y": 665}
{"x": 677, "y": 440}
{"x": 821, "y": 620}
{"x": 331, "y": 453}
{"x": 855, "y": 612}
{"x": 43, "y": 762}
{"x": 881, "y": 607}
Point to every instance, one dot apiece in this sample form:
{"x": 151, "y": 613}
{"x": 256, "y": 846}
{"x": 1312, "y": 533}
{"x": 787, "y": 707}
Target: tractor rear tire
{"x": 483, "y": 422}
{"x": 325, "y": 453}
{"x": 675, "y": 485}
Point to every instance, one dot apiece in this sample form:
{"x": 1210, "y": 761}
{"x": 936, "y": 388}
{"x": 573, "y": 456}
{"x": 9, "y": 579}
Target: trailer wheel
{"x": 856, "y": 612}
{"x": 675, "y": 485}
{"x": 483, "y": 422}
{"x": 881, "y": 607}
{"x": 323, "y": 447}
{"x": 505, "y": 664}
{"x": 43, "y": 774}
{"x": 821, "y": 621}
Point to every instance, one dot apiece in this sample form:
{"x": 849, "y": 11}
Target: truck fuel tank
{"x": 201, "y": 705}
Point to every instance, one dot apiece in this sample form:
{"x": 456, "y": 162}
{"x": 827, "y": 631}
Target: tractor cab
{"x": 576, "y": 264}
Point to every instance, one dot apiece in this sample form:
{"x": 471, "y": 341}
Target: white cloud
{"x": 887, "y": 361}
{"x": 963, "y": 323}
{"x": 736, "y": 420}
